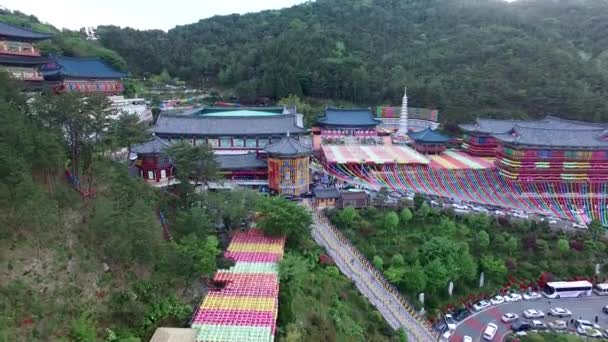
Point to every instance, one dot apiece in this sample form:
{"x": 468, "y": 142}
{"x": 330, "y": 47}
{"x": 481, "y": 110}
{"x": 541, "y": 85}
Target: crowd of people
{"x": 415, "y": 324}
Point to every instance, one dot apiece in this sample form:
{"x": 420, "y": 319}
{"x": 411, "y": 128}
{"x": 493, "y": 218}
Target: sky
{"x": 140, "y": 14}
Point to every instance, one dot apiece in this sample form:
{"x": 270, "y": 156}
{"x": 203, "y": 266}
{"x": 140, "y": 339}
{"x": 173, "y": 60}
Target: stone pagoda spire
{"x": 404, "y": 117}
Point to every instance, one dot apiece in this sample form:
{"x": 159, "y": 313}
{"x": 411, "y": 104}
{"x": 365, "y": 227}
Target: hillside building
{"x": 19, "y": 56}
{"x": 83, "y": 75}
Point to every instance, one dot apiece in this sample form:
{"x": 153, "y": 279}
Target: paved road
{"x": 586, "y": 308}
{"x": 368, "y": 283}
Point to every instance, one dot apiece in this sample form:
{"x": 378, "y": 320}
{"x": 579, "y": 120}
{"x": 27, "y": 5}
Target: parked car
{"x": 461, "y": 314}
{"x": 593, "y": 332}
{"x": 579, "y": 226}
{"x": 490, "y": 332}
{"x": 449, "y": 321}
{"x": 513, "y": 297}
{"x": 500, "y": 213}
{"x": 559, "y": 312}
{"x": 532, "y": 295}
{"x": 558, "y": 324}
{"x": 605, "y": 309}
{"x": 509, "y": 317}
{"x": 538, "y": 325}
{"x": 521, "y": 325}
{"x": 497, "y": 300}
{"x": 482, "y": 304}
{"x": 533, "y": 313}
{"x": 467, "y": 338}
{"x": 440, "y": 327}
{"x": 582, "y": 325}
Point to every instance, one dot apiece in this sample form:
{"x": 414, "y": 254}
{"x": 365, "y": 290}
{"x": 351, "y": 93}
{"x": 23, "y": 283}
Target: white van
{"x": 601, "y": 289}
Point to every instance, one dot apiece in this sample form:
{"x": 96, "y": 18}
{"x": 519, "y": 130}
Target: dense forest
{"x": 464, "y": 57}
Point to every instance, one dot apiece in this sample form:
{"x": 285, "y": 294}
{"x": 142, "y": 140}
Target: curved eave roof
{"x": 23, "y": 60}
{"x": 348, "y": 117}
{"x": 78, "y": 67}
{"x": 429, "y": 136}
{"x": 17, "y": 32}
{"x": 202, "y": 125}
{"x": 288, "y": 147}
{"x": 541, "y": 137}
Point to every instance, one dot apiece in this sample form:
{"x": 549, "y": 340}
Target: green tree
{"x": 391, "y": 221}
{"x": 418, "y": 201}
{"x": 596, "y": 229}
{"x": 201, "y": 253}
{"x": 495, "y": 268}
{"x": 348, "y": 216}
{"x": 563, "y": 246}
{"x": 84, "y": 329}
{"x": 437, "y": 275}
{"x": 279, "y": 217}
{"x": 512, "y": 245}
{"x": 128, "y": 130}
{"x": 406, "y": 215}
{"x": 414, "y": 278}
{"x": 378, "y": 262}
{"x": 196, "y": 163}
{"x": 424, "y": 210}
{"x": 483, "y": 239}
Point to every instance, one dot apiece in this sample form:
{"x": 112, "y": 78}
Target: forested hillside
{"x": 465, "y": 57}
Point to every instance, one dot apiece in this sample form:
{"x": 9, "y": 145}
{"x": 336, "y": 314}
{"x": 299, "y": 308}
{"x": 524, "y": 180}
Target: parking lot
{"x": 586, "y": 308}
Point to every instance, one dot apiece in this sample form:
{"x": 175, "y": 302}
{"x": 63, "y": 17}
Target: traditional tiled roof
{"x": 239, "y": 161}
{"x": 326, "y": 193}
{"x": 236, "y": 110}
{"x": 11, "y": 31}
{"x": 80, "y": 68}
{"x": 226, "y": 126}
{"x": 353, "y": 195}
{"x": 155, "y": 145}
{"x": 288, "y": 146}
{"x": 348, "y": 117}
{"x": 429, "y": 136}
{"x": 494, "y": 126}
{"x": 578, "y": 138}
{"x": 23, "y": 60}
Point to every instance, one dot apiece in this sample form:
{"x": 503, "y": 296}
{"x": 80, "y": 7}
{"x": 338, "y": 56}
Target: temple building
{"x": 228, "y": 131}
{"x": 151, "y": 161}
{"x": 288, "y": 167}
{"x": 346, "y": 126}
{"x": 260, "y": 148}
{"x": 429, "y": 141}
{"x": 83, "y": 75}
{"x": 18, "y": 55}
{"x": 550, "y": 149}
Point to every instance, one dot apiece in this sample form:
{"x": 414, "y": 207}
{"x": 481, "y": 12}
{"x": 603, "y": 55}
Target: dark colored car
{"x": 520, "y": 325}
{"x": 440, "y": 327}
{"x": 605, "y": 309}
{"x": 461, "y": 314}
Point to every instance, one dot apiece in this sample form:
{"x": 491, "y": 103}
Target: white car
{"x": 459, "y": 206}
{"x": 467, "y": 338}
{"x": 558, "y": 324}
{"x": 497, "y": 300}
{"x": 479, "y": 209}
{"x": 559, "y": 312}
{"x": 538, "y": 325}
{"x": 533, "y": 313}
{"x": 593, "y": 332}
{"x": 490, "y": 332}
{"x": 482, "y": 304}
{"x": 449, "y": 321}
{"x": 532, "y": 296}
{"x": 509, "y": 317}
{"x": 520, "y": 215}
{"x": 583, "y": 325}
{"x": 513, "y": 297}
{"x": 579, "y": 226}
{"x": 500, "y": 213}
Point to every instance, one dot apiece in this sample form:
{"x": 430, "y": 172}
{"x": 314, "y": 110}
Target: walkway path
{"x": 370, "y": 282}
